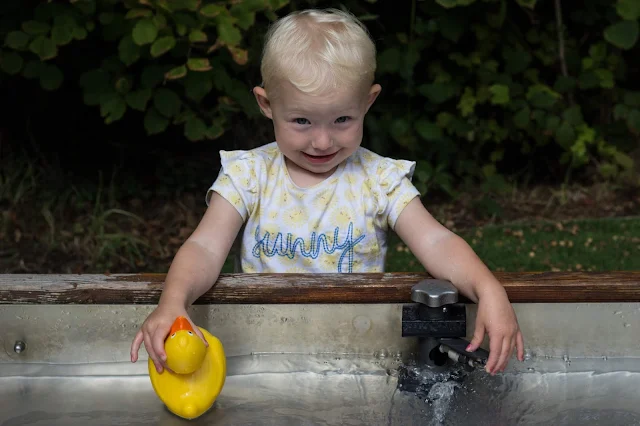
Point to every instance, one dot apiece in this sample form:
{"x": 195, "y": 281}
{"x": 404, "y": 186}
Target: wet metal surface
{"x": 290, "y": 389}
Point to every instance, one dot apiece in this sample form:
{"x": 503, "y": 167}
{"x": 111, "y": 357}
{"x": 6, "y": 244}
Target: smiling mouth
{"x": 319, "y": 159}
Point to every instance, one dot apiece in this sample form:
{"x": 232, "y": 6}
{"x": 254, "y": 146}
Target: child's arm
{"x": 194, "y": 270}
{"x": 447, "y": 256}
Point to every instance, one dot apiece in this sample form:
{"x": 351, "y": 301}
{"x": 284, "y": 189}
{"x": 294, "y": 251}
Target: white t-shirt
{"x": 338, "y": 225}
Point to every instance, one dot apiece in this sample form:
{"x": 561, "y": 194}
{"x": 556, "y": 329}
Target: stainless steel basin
{"x": 320, "y": 364}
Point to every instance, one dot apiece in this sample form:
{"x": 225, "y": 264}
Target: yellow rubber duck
{"x": 197, "y": 372}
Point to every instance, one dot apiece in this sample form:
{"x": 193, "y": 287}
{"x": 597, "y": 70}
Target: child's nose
{"x": 322, "y": 141}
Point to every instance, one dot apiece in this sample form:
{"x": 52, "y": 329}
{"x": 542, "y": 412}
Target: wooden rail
{"x": 542, "y": 287}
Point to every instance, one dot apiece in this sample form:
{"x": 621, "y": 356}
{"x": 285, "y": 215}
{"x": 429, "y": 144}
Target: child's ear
{"x": 263, "y": 101}
{"x": 373, "y": 95}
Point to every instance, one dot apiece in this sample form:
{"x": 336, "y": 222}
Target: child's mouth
{"x": 319, "y": 159}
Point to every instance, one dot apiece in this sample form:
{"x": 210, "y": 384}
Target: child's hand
{"x": 154, "y": 330}
{"x": 496, "y": 316}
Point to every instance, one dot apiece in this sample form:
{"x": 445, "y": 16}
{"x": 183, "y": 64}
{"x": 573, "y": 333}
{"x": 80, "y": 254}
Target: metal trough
{"x": 318, "y": 350}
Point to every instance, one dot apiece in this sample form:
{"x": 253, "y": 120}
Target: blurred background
{"x": 523, "y": 117}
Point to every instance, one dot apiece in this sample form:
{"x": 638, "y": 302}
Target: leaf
{"x": 552, "y": 123}
{"x": 451, "y": 27}
{"x": 43, "y": 47}
{"x": 176, "y": 73}
{"x": 620, "y": 112}
{"x": 606, "y": 78}
{"x": 228, "y": 33}
{"x": 167, "y": 102}
{"x": 212, "y": 10}
{"x": 50, "y": 77}
{"x": 197, "y": 36}
{"x": 623, "y": 34}
{"x": 11, "y": 62}
{"x": 499, "y": 94}
{"x": 198, "y": 64}
{"x": 564, "y": 84}
{"x": 35, "y": 27}
{"x": 17, "y": 40}
{"x": 633, "y": 120}
{"x": 438, "y": 93}
{"x": 191, "y": 5}
{"x": 516, "y": 61}
{"x": 128, "y": 50}
{"x": 215, "y": 131}
{"x": 245, "y": 18}
{"x": 448, "y": 4}
{"x": 628, "y": 9}
{"x": 240, "y": 56}
{"x": 530, "y": 4}
{"x": 155, "y": 123}
{"x": 565, "y": 135}
{"x": 198, "y": 85}
{"x": 389, "y": 61}
{"x": 162, "y": 46}
{"x": 195, "y": 129}
{"x": 144, "y": 32}
{"x": 573, "y": 115}
{"x": 138, "y": 99}
{"x": 138, "y": 13}
{"x": 79, "y": 33}
{"x": 623, "y": 159}
{"x": 522, "y": 118}
{"x": 112, "y": 108}
{"x": 63, "y": 29}
{"x": 428, "y": 130}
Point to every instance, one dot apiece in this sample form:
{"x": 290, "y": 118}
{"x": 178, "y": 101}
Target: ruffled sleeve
{"x": 396, "y": 187}
{"x": 237, "y": 181}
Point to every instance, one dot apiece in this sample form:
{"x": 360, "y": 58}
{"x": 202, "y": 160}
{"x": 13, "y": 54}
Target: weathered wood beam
{"x": 529, "y": 287}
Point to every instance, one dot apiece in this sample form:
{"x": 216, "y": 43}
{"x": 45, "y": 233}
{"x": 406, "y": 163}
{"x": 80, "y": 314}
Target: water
{"x": 288, "y": 389}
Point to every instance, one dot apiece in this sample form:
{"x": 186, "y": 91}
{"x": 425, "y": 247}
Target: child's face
{"x": 317, "y": 133}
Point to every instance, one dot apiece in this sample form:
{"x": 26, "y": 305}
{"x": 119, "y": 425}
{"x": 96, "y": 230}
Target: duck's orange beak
{"x": 181, "y": 323}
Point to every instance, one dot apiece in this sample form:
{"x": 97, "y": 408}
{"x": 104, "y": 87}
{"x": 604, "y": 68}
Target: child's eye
{"x": 301, "y": 121}
{"x": 342, "y": 119}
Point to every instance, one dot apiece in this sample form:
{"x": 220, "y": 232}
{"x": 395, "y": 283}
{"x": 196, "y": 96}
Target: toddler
{"x": 315, "y": 200}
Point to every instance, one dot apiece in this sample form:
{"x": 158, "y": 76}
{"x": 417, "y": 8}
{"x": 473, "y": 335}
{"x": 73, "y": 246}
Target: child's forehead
{"x": 319, "y": 104}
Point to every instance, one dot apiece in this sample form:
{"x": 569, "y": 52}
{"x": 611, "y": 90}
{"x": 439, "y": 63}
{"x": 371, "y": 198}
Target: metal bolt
{"x": 19, "y": 346}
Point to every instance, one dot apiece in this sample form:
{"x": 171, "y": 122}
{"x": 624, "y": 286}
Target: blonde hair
{"x": 318, "y": 50}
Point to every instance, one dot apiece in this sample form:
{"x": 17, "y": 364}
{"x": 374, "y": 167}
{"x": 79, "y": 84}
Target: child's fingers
{"x": 504, "y": 354}
{"x": 198, "y": 332}
{"x": 158, "y": 343}
{"x": 520, "y": 345}
{"x": 495, "y": 345}
{"x": 152, "y": 354}
{"x": 135, "y": 345}
{"x": 478, "y": 336}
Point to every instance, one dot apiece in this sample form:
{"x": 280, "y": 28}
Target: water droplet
{"x": 618, "y": 312}
{"x": 531, "y": 369}
{"x": 565, "y": 358}
{"x": 604, "y": 358}
{"x": 627, "y": 324}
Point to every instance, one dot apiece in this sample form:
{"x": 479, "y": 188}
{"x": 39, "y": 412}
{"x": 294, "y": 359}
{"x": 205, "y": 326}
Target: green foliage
{"x": 473, "y": 89}
{"x": 484, "y": 83}
{"x": 170, "y": 61}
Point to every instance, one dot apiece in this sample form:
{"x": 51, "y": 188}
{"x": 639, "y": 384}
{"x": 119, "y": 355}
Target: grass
{"x": 52, "y": 224}
{"x": 611, "y": 244}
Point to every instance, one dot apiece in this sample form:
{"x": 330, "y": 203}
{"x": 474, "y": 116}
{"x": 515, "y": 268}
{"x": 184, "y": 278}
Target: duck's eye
{"x": 190, "y": 333}
{"x": 173, "y": 335}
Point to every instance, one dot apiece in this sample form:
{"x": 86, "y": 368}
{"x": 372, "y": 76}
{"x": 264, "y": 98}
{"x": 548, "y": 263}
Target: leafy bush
{"x": 473, "y": 89}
